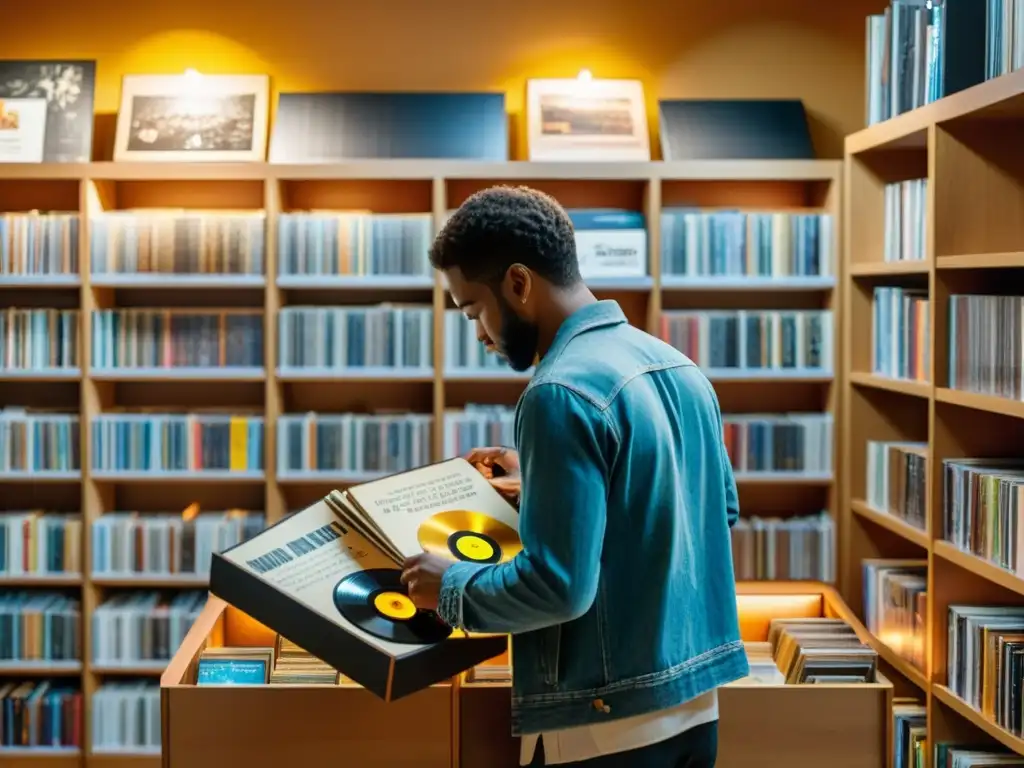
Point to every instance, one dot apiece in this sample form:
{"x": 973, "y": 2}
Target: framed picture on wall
{"x": 47, "y": 111}
{"x": 587, "y": 119}
{"x": 193, "y": 118}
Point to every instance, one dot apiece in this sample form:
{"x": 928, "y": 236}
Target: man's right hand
{"x": 501, "y": 468}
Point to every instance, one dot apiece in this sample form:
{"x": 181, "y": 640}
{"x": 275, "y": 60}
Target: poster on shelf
{"x": 193, "y": 117}
{"x": 588, "y": 120}
{"x": 22, "y": 130}
{"x": 66, "y": 91}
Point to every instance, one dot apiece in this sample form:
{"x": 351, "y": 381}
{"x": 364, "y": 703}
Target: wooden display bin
{"x": 798, "y": 726}
{"x": 291, "y": 725}
{"x": 466, "y": 725}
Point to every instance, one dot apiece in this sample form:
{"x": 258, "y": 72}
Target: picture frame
{"x": 587, "y": 120}
{"x": 235, "y": 666}
{"x": 47, "y": 113}
{"x": 22, "y": 130}
{"x": 193, "y": 118}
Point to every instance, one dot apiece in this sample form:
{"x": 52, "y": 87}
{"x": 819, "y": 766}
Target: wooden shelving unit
{"x": 382, "y": 187}
{"x": 968, "y": 147}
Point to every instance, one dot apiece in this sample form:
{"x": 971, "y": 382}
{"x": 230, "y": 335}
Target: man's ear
{"x": 517, "y": 284}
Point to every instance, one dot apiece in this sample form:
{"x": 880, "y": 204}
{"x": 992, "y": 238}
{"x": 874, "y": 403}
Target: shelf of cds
{"x": 795, "y": 708}
{"x": 191, "y": 352}
{"x": 932, "y": 424}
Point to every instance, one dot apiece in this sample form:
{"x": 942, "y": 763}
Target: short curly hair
{"x": 501, "y": 226}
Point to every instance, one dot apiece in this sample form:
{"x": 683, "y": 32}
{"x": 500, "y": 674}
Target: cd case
{"x": 319, "y": 583}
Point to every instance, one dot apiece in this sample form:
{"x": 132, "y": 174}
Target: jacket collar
{"x": 597, "y": 315}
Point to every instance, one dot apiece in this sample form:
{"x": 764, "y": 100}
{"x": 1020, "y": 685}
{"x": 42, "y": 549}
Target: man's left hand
{"x": 422, "y": 576}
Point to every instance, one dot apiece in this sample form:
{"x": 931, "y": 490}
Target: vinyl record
{"x": 377, "y": 602}
{"x": 472, "y": 537}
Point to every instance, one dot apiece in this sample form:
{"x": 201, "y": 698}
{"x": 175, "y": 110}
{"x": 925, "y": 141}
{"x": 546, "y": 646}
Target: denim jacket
{"x": 623, "y": 599}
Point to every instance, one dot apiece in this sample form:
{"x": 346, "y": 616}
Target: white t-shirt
{"x": 589, "y": 741}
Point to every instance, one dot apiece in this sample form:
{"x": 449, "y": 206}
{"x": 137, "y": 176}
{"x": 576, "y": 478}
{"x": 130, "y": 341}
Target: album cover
{"x": 734, "y": 129}
{"x": 235, "y": 666}
{"x": 46, "y": 111}
{"x": 335, "y": 127}
{"x": 322, "y": 585}
{"x": 447, "y": 508}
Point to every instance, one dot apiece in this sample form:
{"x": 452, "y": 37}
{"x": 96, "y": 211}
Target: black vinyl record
{"x": 377, "y": 602}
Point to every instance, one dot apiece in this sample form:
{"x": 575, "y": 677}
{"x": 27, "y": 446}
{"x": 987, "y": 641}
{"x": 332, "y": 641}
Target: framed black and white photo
{"x": 587, "y": 119}
{"x": 47, "y": 111}
{"x": 193, "y": 118}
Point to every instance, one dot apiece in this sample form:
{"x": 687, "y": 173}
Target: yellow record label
{"x": 474, "y": 547}
{"x": 394, "y": 605}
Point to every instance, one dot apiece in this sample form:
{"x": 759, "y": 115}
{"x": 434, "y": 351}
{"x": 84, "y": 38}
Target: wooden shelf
{"x": 147, "y": 581}
{"x": 39, "y": 757}
{"x": 55, "y": 580}
{"x": 427, "y": 170}
{"x": 884, "y": 268}
{"x": 746, "y": 284}
{"x": 988, "y": 403}
{"x": 962, "y": 708}
{"x": 44, "y": 171}
{"x": 901, "y": 665}
{"x": 967, "y": 147}
{"x": 40, "y": 668}
{"x": 977, "y": 566}
{"x": 35, "y": 374}
{"x": 433, "y": 187}
{"x": 900, "y": 386}
{"x": 891, "y": 523}
{"x": 140, "y": 669}
{"x": 749, "y": 170}
{"x": 1002, "y": 97}
{"x": 1013, "y": 260}
{"x": 128, "y": 760}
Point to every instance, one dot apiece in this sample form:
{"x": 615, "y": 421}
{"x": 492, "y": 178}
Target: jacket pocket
{"x": 550, "y": 645}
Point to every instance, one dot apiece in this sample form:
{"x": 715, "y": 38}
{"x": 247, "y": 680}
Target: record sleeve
{"x": 447, "y": 508}
{"x": 319, "y": 583}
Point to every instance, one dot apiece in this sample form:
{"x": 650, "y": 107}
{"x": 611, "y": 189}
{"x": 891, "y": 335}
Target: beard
{"x": 519, "y": 338}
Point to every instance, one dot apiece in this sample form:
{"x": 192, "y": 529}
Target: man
{"x": 622, "y": 603}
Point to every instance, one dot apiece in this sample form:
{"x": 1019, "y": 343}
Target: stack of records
{"x": 763, "y": 670}
{"x": 496, "y": 670}
{"x": 294, "y": 666}
{"x": 910, "y": 729}
{"x": 821, "y": 651}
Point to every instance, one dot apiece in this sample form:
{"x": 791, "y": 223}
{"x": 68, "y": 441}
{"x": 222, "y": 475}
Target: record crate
{"x": 300, "y": 725}
{"x": 798, "y": 726}
{"x": 467, "y": 724}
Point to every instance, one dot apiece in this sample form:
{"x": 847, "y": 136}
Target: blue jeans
{"x": 695, "y": 748}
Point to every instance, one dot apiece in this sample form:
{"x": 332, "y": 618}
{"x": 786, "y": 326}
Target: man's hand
{"x": 501, "y": 468}
{"x": 421, "y": 575}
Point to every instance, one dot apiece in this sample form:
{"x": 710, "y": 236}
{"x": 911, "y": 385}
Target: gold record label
{"x": 470, "y": 536}
{"x": 394, "y": 605}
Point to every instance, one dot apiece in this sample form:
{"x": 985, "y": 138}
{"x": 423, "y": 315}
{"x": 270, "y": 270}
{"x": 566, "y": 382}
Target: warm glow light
{"x": 757, "y": 611}
{"x": 585, "y": 75}
{"x": 192, "y": 74}
{"x": 242, "y": 630}
{"x": 190, "y": 512}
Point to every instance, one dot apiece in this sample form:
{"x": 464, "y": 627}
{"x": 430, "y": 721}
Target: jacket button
{"x": 600, "y": 706}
